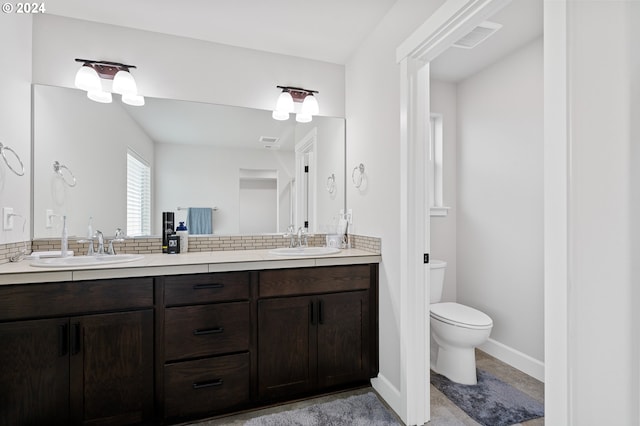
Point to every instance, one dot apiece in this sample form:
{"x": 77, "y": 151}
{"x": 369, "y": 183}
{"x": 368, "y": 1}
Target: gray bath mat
{"x": 491, "y": 402}
{"x": 358, "y": 410}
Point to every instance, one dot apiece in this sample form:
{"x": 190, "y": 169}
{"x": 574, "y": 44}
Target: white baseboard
{"x": 390, "y": 394}
{"x": 516, "y": 359}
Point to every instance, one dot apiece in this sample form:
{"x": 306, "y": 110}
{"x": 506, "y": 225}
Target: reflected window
{"x": 138, "y": 196}
{"x": 436, "y": 160}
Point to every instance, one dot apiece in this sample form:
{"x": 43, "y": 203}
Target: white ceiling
{"x": 325, "y": 30}
{"x": 194, "y": 123}
{"x": 522, "y": 22}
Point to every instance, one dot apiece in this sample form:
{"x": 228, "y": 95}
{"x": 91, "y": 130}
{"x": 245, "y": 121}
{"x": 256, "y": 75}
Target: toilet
{"x": 456, "y": 330}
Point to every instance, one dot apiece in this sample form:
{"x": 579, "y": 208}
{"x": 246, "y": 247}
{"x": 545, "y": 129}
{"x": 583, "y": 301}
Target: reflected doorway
{"x": 258, "y": 201}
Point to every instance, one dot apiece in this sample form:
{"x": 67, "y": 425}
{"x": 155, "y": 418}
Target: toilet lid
{"x": 461, "y": 315}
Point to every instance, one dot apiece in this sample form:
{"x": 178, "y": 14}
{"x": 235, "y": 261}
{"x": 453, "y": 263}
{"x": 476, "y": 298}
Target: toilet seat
{"x": 460, "y": 316}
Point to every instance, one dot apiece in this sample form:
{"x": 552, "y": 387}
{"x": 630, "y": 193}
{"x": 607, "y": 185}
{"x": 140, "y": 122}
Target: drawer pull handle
{"x": 203, "y": 331}
{"x": 208, "y": 384}
{"x": 205, "y": 286}
{"x": 63, "y": 339}
{"x": 76, "y": 339}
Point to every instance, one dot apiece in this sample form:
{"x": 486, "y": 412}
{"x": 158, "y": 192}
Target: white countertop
{"x": 174, "y": 264}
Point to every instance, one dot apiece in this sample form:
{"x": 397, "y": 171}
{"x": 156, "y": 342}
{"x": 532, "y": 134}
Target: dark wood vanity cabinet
{"x": 77, "y": 352}
{"x": 316, "y": 329}
{"x": 160, "y": 350}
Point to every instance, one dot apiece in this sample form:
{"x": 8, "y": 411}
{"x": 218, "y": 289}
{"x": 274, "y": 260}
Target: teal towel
{"x": 199, "y": 220}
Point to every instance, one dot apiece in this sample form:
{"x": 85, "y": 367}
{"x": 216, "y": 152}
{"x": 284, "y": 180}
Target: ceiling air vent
{"x": 270, "y": 142}
{"x": 478, "y": 35}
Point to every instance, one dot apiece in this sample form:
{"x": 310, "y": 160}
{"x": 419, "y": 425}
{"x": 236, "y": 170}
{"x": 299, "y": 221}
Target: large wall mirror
{"x": 247, "y": 167}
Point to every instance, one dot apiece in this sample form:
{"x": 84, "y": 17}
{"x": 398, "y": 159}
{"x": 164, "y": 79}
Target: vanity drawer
{"x": 22, "y": 301}
{"x": 207, "y": 385}
{"x": 203, "y": 330}
{"x": 205, "y": 288}
{"x": 289, "y": 282}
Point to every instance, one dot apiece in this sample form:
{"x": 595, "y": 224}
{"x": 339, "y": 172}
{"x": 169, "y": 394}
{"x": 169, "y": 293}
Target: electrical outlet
{"x": 7, "y": 218}
{"x": 48, "y": 220}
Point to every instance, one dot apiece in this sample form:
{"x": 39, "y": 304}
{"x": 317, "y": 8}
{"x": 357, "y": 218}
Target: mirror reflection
{"x": 131, "y": 164}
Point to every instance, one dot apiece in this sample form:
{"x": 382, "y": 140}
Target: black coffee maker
{"x": 168, "y": 228}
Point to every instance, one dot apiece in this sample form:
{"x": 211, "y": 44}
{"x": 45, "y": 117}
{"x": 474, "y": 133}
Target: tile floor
{"x": 443, "y": 411}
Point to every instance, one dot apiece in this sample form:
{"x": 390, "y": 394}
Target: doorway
{"x": 453, "y": 20}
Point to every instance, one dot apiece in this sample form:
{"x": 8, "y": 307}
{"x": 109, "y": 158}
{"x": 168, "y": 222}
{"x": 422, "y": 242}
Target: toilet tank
{"x": 437, "y": 279}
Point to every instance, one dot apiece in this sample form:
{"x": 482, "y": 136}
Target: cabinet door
{"x": 286, "y": 346}
{"x": 34, "y": 372}
{"x": 112, "y": 368}
{"x": 343, "y": 338}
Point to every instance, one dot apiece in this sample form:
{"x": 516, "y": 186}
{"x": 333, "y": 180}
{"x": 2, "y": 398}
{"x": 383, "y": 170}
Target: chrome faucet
{"x": 118, "y": 238}
{"x": 291, "y": 235}
{"x": 302, "y": 237}
{"x": 297, "y": 239}
{"x": 100, "y": 242}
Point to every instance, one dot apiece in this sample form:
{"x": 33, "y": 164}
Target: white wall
{"x": 443, "y": 228}
{"x": 205, "y": 176}
{"x": 15, "y": 119}
{"x": 330, "y": 159}
{"x": 500, "y": 198}
{"x": 258, "y": 206}
{"x": 634, "y": 159}
{"x": 181, "y": 68}
{"x": 373, "y": 135}
{"x": 603, "y": 388}
{"x": 92, "y": 140}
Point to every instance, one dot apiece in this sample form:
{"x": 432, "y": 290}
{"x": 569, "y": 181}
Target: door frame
{"x": 451, "y": 21}
{"x": 307, "y": 146}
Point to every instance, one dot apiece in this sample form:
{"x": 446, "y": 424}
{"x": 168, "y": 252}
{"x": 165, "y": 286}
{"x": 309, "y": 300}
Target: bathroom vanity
{"x": 164, "y": 344}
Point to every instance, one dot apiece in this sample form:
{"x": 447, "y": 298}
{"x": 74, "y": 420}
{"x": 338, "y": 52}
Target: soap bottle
{"x": 183, "y": 233}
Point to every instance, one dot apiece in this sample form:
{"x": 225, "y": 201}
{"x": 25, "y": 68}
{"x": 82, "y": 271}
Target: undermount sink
{"x": 105, "y": 259}
{"x": 304, "y": 251}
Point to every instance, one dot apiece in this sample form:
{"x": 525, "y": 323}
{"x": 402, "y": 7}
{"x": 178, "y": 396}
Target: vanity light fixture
{"x": 285, "y": 104}
{"x": 90, "y": 75}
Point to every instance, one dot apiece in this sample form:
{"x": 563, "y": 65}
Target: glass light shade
{"x": 303, "y": 118}
{"x": 100, "y": 96}
{"x": 310, "y": 105}
{"x": 279, "y": 115}
{"x": 124, "y": 83}
{"x": 284, "y": 103}
{"x": 133, "y": 100}
{"x": 87, "y": 79}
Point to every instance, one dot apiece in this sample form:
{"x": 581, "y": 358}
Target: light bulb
{"x": 303, "y": 118}
{"x": 280, "y": 115}
{"x": 124, "y": 83}
{"x": 285, "y": 102}
{"x": 310, "y": 105}
{"x": 133, "y": 100}
{"x": 87, "y": 79}
{"x": 100, "y": 96}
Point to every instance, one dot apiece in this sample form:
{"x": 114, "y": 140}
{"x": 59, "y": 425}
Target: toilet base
{"x": 457, "y": 364}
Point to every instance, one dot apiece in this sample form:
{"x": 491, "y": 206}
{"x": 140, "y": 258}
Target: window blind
{"x": 138, "y": 196}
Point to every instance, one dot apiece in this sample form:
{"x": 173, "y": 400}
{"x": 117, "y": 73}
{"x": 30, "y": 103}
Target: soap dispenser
{"x": 183, "y": 233}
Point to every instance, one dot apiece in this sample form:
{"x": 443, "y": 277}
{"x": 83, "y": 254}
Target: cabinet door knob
{"x": 76, "y": 338}
{"x": 63, "y": 339}
{"x": 203, "y": 331}
{"x": 208, "y": 384}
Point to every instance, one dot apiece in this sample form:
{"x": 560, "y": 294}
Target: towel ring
{"x": 3, "y": 150}
{"x": 57, "y": 168}
{"x": 331, "y": 183}
{"x": 357, "y": 179}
